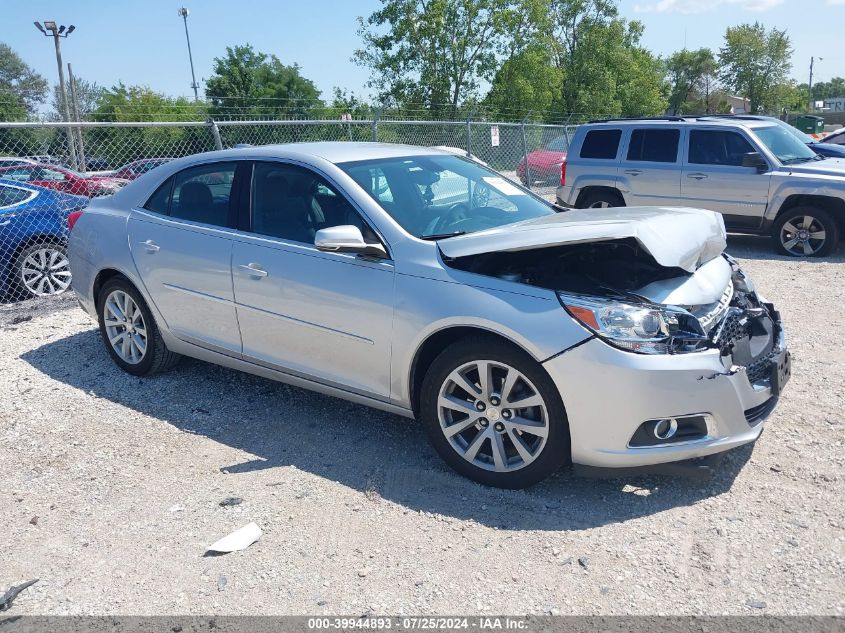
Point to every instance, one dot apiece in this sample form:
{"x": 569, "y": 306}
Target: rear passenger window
{"x": 654, "y": 145}
{"x": 601, "y": 144}
{"x": 201, "y": 194}
{"x": 159, "y": 202}
{"x": 717, "y": 147}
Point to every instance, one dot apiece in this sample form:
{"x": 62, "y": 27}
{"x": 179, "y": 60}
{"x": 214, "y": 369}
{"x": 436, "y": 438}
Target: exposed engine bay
{"x": 719, "y": 307}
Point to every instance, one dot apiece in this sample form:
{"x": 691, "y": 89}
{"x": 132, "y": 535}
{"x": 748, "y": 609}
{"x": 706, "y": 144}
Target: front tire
{"x": 493, "y": 414}
{"x": 806, "y": 232}
{"x": 129, "y": 330}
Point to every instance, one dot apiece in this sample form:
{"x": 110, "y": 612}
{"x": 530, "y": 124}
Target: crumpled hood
{"x": 675, "y": 237}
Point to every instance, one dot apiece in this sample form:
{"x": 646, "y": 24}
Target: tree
{"x": 824, "y": 89}
{"x": 603, "y": 67}
{"x": 690, "y": 75}
{"x": 527, "y": 83}
{"x": 246, "y": 82}
{"x": 754, "y": 63}
{"x": 21, "y": 88}
{"x": 434, "y": 52}
{"x": 88, "y": 96}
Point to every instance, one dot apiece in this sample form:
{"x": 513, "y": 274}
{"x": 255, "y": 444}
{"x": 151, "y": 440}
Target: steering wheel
{"x": 455, "y": 214}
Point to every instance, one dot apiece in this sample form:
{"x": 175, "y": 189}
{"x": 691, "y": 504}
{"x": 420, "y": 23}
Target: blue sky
{"x": 144, "y": 42}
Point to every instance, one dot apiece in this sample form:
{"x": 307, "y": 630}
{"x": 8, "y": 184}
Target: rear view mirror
{"x": 753, "y": 159}
{"x": 346, "y": 238}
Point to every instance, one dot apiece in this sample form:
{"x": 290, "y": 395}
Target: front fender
{"x": 786, "y": 185}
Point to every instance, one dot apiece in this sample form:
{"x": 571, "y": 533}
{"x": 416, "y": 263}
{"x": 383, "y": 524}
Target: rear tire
{"x": 601, "y": 200}
{"x": 129, "y": 331}
{"x": 482, "y": 444}
{"x": 806, "y": 232}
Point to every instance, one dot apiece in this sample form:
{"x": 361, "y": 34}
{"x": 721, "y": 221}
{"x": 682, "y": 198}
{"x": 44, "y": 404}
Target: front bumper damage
{"x": 613, "y": 397}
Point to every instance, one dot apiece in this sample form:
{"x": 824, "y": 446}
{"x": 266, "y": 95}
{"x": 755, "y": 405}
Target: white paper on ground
{"x": 237, "y": 540}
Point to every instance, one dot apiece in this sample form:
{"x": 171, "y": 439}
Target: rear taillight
{"x": 72, "y": 217}
{"x": 563, "y": 173}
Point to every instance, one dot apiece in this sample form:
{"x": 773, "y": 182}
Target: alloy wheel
{"x": 125, "y": 327}
{"x": 803, "y": 235}
{"x": 493, "y": 416}
{"x": 46, "y": 271}
{"x": 600, "y": 204}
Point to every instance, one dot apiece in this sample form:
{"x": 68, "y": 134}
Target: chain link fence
{"x": 49, "y": 171}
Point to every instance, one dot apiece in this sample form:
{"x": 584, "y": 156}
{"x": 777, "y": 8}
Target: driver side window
{"x": 293, "y": 203}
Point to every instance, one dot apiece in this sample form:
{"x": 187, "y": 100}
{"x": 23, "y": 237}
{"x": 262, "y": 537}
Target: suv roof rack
{"x": 642, "y": 118}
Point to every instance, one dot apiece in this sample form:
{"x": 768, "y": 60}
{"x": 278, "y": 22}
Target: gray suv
{"x": 761, "y": 178}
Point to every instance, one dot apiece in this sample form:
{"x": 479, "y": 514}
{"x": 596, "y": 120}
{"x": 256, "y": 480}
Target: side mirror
{"x": 753, "y": 159}
{"x": 346, "y": 238}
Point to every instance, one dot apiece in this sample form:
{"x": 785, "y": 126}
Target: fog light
{"x": 665, "y": 429}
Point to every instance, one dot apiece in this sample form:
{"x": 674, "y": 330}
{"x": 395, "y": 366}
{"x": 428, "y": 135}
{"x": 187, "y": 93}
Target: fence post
{"x": 469, "y": 134}
{"x": 525, "y": 153}
{"x": 376, "y": 118}
{"x": 215, "y": 133}
{"x": 566, "y": 130}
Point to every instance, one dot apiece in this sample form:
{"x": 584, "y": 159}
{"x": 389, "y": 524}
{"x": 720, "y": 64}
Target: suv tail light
{"x": 72, "y": 217}
{"x": 563, "y": 173}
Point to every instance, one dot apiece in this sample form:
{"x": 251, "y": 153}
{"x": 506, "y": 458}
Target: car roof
{"x": 332, "y": 151}
{"x": 705, "y": 120}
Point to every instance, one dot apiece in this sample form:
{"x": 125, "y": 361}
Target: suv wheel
{"x": 601, "y": 200}
{"x": 494, "y": 415}
{"x": 806, "y": 232}
{"x": 129, "y": 331}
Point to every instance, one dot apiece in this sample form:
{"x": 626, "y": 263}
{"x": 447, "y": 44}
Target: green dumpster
{"x": 810, "y": 124}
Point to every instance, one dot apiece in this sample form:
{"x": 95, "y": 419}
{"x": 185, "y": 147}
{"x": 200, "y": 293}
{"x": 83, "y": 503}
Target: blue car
{"x": 33, "y": 239}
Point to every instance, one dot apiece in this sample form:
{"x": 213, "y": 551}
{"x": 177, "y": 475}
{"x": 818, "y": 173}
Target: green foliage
{"x": 88, "y": 96}
{"x": 254, "y": 84}
{"x": 140, "y": 103}
{"x": 433, "y": 52}
{"x": 691, "y": 75}
{"x": 580, "y": 57}
{"x": 21, "y": 88}
{"x": 755, "y": 63}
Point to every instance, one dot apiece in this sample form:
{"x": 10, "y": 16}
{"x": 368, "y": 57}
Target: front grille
{"x": 762, "y": 367}
{"x": 757, "y": 414}
{"x": 733, "y": 328}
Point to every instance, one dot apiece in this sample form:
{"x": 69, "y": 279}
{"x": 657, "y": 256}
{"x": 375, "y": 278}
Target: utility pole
{"x": 183, "y": 13}
{"x": 74, "y": 101}
{"x": 812, "y": 102}
{"x": 58, "y": 32}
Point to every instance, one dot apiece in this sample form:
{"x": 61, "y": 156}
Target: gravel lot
{"x": 112, "y": 488}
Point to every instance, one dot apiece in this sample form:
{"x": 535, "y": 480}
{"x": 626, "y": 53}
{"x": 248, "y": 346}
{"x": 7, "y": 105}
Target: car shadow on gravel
{"x": 763, "y": 248}
{"x": 384, "y": 456}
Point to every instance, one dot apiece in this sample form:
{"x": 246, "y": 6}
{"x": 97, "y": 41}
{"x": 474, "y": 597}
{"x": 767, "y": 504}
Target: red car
{"x": 544, "y": 163}
{"x": 130, "y": 171}
{"x": 63, "y": 179}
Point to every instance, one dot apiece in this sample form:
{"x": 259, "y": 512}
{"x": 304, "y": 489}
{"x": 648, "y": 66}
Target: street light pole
{"x": 183, "y": 13}
{"x": 812, "y": 102}
{"x": 58, "y": 32}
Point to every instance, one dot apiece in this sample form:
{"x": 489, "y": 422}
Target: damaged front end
{"x": 619, "y": 292}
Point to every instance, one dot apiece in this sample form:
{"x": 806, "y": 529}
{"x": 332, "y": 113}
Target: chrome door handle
{"x": 151, "y": 246}
{"x": 254, "y": 270}
{"x": 697, "y": 176}
{"x": 633, "y": 172}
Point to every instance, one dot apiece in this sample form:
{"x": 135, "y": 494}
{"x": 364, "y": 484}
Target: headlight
{"x": 643, "y": 328}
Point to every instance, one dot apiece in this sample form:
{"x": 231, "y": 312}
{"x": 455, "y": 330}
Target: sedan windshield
{"x": 438, "y": 196}
{"x": 788, "y": 149}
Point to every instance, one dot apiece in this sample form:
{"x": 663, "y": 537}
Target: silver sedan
{"x": 522, "y": 336}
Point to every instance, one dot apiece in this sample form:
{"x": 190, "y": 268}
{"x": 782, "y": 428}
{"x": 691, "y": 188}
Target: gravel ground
{"x": 112, "y": 488}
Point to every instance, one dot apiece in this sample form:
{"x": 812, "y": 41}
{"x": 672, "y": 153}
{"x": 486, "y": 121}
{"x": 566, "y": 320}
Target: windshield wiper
{"x": 442, "y": 236}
